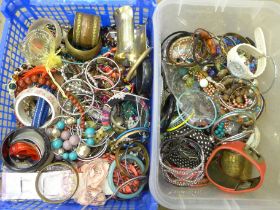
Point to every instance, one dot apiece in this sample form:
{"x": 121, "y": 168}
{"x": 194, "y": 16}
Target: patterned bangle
{"x": 37, "y": 92}
{"x": 182, "y": 161}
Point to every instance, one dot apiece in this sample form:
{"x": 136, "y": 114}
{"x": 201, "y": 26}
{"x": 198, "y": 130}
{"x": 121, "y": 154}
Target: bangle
{"x": 131, "y": 72}
{"x": 76, "y": 88}
{"x": 223, "y": 129}
{"x": 83, "y": 55}
{"x": 11, "y": 155}
{"x": 41, "y": 111}
{"x": 205, "y": 141}
{"x": 40, "y": 93}
{"x": 179, "y": 50}
{"x": 123, "y": 136}
{"x": 167, "y": 112}
{"x": 134, "y": 146}
{"x": 182, "y": 161}
{"x": 195, "y": 100}
{"x": 86, "y": 30}
{"x": 42, "y": 23}
{"x": 144, "y": 79}
{"x": 117, "y": 99}
{"x": 241, "y": 157}
{"x": 111, "y": 182}
{"x": 105, "y": 66}
{"x": 62, "y": 167}
{"x": 125, "y": 36}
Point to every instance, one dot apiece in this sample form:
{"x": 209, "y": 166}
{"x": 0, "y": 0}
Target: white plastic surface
{"x": 220, "y": 17}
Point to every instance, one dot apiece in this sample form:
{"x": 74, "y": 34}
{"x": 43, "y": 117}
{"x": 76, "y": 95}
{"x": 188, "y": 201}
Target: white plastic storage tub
{"x": 221, "y": 17}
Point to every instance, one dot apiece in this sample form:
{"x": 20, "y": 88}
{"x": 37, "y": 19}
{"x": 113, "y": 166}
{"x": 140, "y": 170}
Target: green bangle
{"x": 111, "y": 176}
{"x": 137, "y": 146}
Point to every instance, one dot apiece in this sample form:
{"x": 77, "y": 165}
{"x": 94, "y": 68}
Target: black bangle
{"x": 42, "y": 143}
{"x": 167, "y": 112}
{"x": 144, "y": 78}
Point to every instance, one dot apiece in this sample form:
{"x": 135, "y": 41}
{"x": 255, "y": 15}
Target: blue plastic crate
{"x": 19, "y": 15}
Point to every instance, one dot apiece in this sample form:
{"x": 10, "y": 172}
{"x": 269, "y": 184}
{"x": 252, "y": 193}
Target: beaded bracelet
{"x": 224, "y": 128}
{"x": 79, "y": 88}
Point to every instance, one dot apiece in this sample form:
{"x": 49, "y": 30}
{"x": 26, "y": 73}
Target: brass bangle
{"x": 51, "y": 165}
{"x": 86, "y": 30}
{"x": 138, "y": 147}
{"x": 132, "y": 70}
{"x": 82, "y": 55}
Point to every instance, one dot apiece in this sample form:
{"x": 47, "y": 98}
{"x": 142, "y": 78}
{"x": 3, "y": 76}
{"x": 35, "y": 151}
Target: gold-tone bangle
{"x": 64, "y": 164}
{"x": 137, "y": 63}
{"x": 82, "y": 55}
{"x": 86, "y": 30}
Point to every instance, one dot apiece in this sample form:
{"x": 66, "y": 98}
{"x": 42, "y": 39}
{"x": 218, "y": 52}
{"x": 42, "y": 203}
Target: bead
{"x": 60, "y": 151}
{"x": 67, "y": 145}
{"x": 83, "y": 151}
{"x": 12, "y": 86}
{"x": 48, "y": 83}
{"x": 205, "y": 68}
{"x": 60, "y": 125}
{"x": 21, "y": 83}
{"x": 49, "y": 131}
{"x": 53, "y": 86}
{"x": 74, "y": 140}
{"x": 55, "y": 133}
{"x": 203, "y": 83}
{"x": 90, "y": 142}
{"x": 90, "y": 124}
{"x": 65, "y": 135}
{"x": 70, "y": 121}
{"x": 34, "y": 78}
{"x": 28, "y": 81}
{"x": 24, "y": 66}
{"x": 42, "y": 80}
{"x": 90, "y": 132}
{"x": 57, "y": 143}
{"x": 73, "y": 156}
{"x": 65, "y": 156}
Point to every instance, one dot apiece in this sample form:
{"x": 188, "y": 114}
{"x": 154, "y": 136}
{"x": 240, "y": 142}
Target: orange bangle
{"x": 227, "y": 183}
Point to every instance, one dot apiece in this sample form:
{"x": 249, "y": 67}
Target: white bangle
{"x": 37, "y": 92}
{"x": 42, "y": 22}
{"x": 235, "y": 62}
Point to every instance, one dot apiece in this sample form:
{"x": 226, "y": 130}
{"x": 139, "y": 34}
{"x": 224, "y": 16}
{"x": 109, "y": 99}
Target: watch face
{"x": 236, "y": 69}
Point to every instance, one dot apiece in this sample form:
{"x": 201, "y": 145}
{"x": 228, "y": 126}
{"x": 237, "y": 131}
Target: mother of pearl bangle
{"x": 23, "y": 117}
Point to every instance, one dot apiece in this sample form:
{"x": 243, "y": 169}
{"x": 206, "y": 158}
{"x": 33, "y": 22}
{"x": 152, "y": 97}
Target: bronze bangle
{"x": 82, "y": 55}
{"x": 86, "y": 30}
